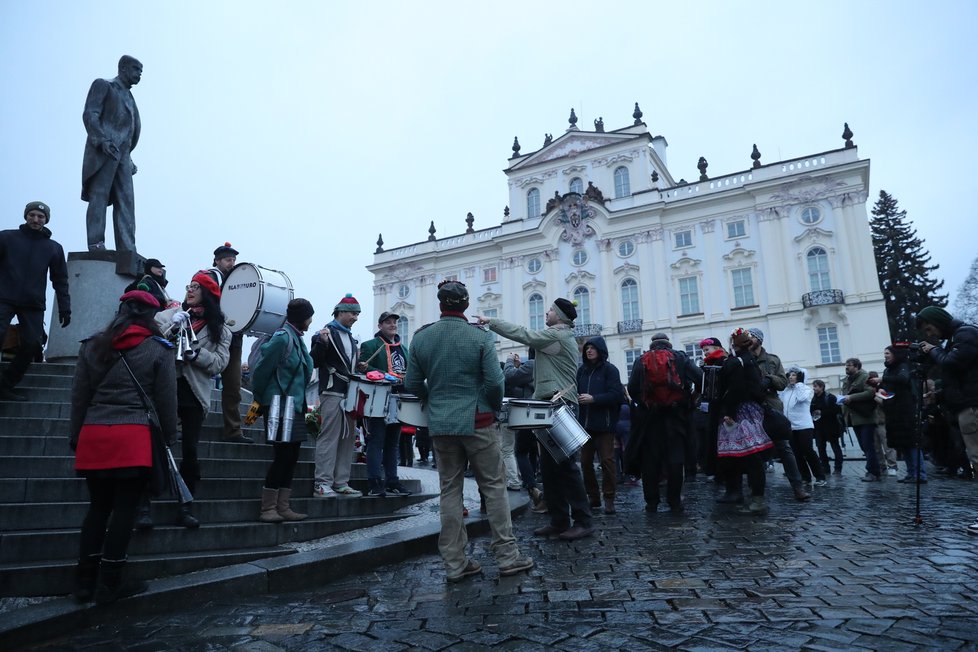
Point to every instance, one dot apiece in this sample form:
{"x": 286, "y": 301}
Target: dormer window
{"x": 577, "y": 185}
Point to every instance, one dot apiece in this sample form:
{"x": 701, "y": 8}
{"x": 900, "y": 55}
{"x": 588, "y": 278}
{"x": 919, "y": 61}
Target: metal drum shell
{"x": 254, "y": 299}
{"x": 376, "y": 391}
{"x": 411, "y": 411}
{"x": 565, "y": 437}
{"x": 526, "y": 414}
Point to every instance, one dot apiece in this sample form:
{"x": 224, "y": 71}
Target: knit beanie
{"x": 298, "y": 311}
{"x": 140, "y": 297}
{"x": 205, "y": 281}
{"x": 756, "y": 333}
{"x": 936, "y": 316}
{"x": 347, "y": 304}
{"x": 565, "y": 310}
{"x": 38, "y": 206}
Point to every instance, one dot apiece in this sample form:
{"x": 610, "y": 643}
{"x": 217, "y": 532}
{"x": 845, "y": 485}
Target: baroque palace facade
{"x": 597, "y": 217}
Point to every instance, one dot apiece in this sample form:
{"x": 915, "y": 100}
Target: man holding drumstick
{"x": 555, "y": 373}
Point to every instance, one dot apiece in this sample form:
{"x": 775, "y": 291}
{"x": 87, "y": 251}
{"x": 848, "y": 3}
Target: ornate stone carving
{"x": 604, "y": 244}
{"x": 708, "y": 226}
{"x": 625, "y": 269}
{"x": 803, "y": 191}
{"x": 574, "y": 169}
{"x": 686, "y": 263}
{"x": 579, "y": 276}
{"x": 402, "y": 271}
{"x": 813, "y": 233}
{"x": 574, "y": 216}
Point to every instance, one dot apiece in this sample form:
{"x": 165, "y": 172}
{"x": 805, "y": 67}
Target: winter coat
{"x": 109, "y": 397}
{"x": 900, "y": 410}
{"x": 453, "y": 368}
{"x": 797, "y": 400}
{"x": 335, "y": 367}
{"x": 773, "y": 378}
{"x": 382, "y": 361}
{"x": 26, "y": 256}
{"x": 860, "y": 406}
{"x": 603, "y": 382}
{"x": 285, "y": 369}
{"x": 958, "y": 363}
{"x": 689, "y": 373}
{"x": 555, "y": 366}
{"x": 212, "y": 358}
{"x": 829, "y": 423}
{"x": 519, "y": 380}
{"x": 740, "y": 381}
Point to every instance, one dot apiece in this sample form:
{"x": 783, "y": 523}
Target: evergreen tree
{"x": 966, "y": 303}
{"x": 904, "y": 268}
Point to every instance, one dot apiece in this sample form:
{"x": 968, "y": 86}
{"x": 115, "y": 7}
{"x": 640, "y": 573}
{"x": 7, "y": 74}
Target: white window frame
{"x": 829, "y": 349}
{"x": 579, "y": 183}
{"x": 578, "y": 253}
{"x": 533, "y": 202}
{"x": 691, "y": 305}
{"x": 742, "y": 230}
{"x": 404, "y": 328}
{"x": 631, "y": 357}
{"x": 534, "y": 262}
{"x": 694, "y": 352}
{"x": 623, "y": 186}
{"x": 582, "y": 296}
{"x": 743, "y": 293}
{"x": 804, "y": 216}
{"x": 490, "y": 274}
{"x": 536, "y": 312}
{"x": 403, "y": 291}
{"x": 688, "y": 239}
{"x": 623, "y": 245}
{"x": 629, "y": 299}
{"x": 819, "y": 277}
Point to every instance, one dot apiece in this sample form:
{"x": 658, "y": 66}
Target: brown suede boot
{"x": 269, "y": 511}
{"x": 283, "y": 507}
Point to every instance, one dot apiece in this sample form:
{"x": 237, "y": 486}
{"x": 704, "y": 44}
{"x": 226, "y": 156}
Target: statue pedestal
{"x": 95, "y": 288}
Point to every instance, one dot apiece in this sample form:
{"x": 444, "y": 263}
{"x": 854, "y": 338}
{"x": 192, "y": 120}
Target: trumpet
{"x": 186, "y": 341}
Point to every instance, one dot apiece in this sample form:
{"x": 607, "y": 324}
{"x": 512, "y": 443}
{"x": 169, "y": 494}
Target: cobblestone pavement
{"x": 847, "y": 571}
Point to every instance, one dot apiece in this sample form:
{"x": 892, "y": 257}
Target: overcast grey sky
{"x": 298, "y": 131}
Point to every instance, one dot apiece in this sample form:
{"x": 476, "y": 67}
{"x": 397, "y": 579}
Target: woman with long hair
{"x": 110, "y": 435}
{"x": 283, "y": 371}
{"x": 196, "y": 368}
{"x": 741, "y": 440}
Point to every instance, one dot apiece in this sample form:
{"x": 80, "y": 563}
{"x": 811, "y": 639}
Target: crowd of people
{"x": 155, "y": 363}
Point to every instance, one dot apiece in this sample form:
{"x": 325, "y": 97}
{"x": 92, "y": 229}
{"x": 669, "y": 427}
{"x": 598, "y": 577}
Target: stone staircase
{"x": 42, "y": 503}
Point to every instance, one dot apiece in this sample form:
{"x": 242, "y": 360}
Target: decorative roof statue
{"x": 380, "y": 244}
{"x": 655, "y": 176}
{"x": 553, "y": 202}
{"x": 593, "y": 193}
{"x": 431, "y": 232}
{"x": 637, "y": 114}
{"x": 547, "y": 139}
{"x": 469, "y": 220}
{"x": 702, "y": 165}
{"x": 847, "y": 135}
{"x": 572, "y": 120}
{"x": 516, "y": 147}
{"x": 599, "y": 125}
{"x": 756, "y": 155}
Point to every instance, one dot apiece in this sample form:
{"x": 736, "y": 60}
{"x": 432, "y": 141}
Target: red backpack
{"x": 663, "y": 382}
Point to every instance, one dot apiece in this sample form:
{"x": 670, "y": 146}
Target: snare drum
{"x": 411, "y": 411}
{"x": 367, "y": 398}
{"x": 503, "y": 415}
{"x": 565, "y": 437}
{"x": 254, "y": 299}
{"x": 525, "y": 414}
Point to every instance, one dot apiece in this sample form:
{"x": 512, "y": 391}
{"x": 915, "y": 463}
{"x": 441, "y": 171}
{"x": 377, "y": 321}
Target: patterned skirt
{"x": 746, "y": 436}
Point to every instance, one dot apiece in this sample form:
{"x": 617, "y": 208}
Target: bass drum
{"x": 254, "y": 299}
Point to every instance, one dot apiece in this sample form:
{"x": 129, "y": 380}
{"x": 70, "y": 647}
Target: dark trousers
{"x": 808, "y": 462}
{"x": 734, "y": 468}
{"x": 31, "y": 330}
{"x": 231, "y": 388}
{"x": 282, "y": 469}
{"x": 663, "y": 451}
{"x": 563, "y": 490}
{"x": 784, "y": 452}
{"x": 821, "y": 442}
{"x": 527, "y": 457}
{"x": 602, "y": 444}
{"x": 113, "y": 182}
{"x": 382, "y": 444}
{"x": 107, "y": 527}
{"x": 407, "y": 449}
{"x": 866, "y": 434}
{"x": 191, "y": 421}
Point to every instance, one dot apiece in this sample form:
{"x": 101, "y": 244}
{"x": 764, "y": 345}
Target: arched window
{"x": 818, "y": 269}
{"x": 403, "y": 329}
{"x": 583, "y": 299}
{"x": 629, "y": 299}
{"x": 577, "y": 185}
{"x": 622, "y": 188}
{"x": 535, "y": 305}
{"x": 533, "y": 202}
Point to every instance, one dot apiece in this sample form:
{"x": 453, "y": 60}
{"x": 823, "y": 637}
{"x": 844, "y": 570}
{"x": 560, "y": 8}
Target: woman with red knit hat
{"x": 200, "y": 311}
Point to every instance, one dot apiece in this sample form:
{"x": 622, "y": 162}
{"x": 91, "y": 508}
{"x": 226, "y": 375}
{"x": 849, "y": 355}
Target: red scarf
{"x": 130, "y": 338}
{"x": 197, "y": 321}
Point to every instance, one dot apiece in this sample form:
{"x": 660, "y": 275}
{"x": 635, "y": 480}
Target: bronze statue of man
{"x": 112, "y": 122}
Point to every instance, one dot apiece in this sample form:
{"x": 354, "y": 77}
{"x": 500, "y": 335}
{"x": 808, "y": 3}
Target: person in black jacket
{"x": 26, "y": 256}
{"x": 600, "y": 395}
{"x": 898, "y": 398}
{"x": 829, "y": 428}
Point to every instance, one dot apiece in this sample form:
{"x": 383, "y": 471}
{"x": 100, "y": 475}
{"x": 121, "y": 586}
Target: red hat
{"x": 206, "y": 281}
{"x": 141, "y": 296}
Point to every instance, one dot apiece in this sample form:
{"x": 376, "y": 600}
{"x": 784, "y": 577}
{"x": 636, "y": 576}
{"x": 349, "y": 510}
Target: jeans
{"x": 480, "y": 451}
{"x": 383, "y": 440}
{"x": 915, "y": 462}
{"x": 866, "y": 434}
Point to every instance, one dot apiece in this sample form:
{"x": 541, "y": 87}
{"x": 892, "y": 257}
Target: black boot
{"x": 186, "y": 518}
{"x": 86, "y": 573}
{"x": 111, "y": 584}
{"x": 144, "y": 521}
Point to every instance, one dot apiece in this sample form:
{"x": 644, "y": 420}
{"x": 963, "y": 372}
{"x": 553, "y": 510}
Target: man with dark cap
{"x": 453, "y": 368}
{"x": 387, "y": 354}
{"x": 27, "y": 255}
{"x": 225, "y": 257}
{"x": 153, "y": 281}
{"x": 661, "y": 382}
{"x": 774, "y": 379}
{"x": 957, "y": 361}
{"x": 112, "y": 122}
{"x": 555, "y": 371}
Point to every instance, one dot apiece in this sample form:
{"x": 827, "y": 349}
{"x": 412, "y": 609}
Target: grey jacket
{"x": 211, "y": 360}
{"x": 110, "y": 397}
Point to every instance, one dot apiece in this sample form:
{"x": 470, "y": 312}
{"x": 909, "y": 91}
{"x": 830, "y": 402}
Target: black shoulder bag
{"x": 164, "y": 473}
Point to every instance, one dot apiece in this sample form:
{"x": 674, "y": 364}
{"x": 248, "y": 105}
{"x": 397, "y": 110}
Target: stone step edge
{"x": 303, "y": 570}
